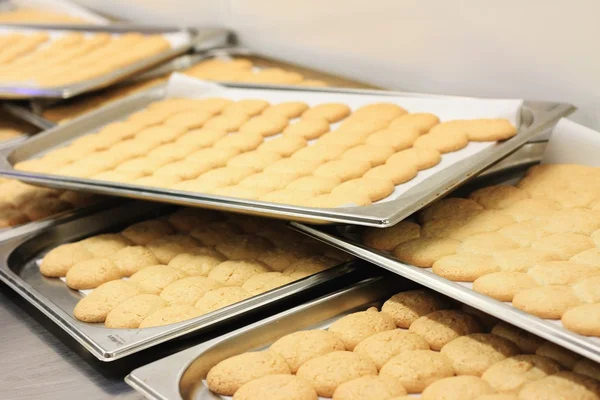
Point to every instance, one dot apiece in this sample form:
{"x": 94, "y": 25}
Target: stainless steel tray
{"x": 536, "y": 118}
{"x": 346, "y": 238}
{"x": 198, "y": 39}
{"x": 19, "y": 270}
{"x": 181, "y": 375}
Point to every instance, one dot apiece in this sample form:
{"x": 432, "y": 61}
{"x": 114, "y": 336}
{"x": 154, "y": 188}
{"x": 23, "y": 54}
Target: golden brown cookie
{"x": 498, "y": 196}
{"x": 527, "y": 209}
{"x": 221, "y": 297}
{"x": 583, "y": 319}
{"x": 188, "y": 290}
{"x": 369, "y": 387}
{"x": 331, "y": 200}
{"x": 561, "y": 272}
{"x": 188, "y": 119}
{"x": 486, "y": 244}
{"x": 425, "y": 251}
{"x": 384, "y": 111}
{"x": 95, "y": 306}
{"x": 318, "y": 153}
{"x": 89, "y": 274}
{"x": 265, "y": 125}
{"x": 171, "y": 314}
{"x": 457, "y": 388}
{"x": 464, "y": 267}
{"x": 527, "y": 342}
{"x": 313, "y": 184}
{"x": 332, "y": 112}
{"x": 227, "y": 122}
{"x": 504, "y": 285}
{"x": 239, "y": 141}
{"x": 422, "y": 122}
{"x": 374, "y": 155}
{"x": 549, "y": 302}
{"x": 562, "y": 385}
{"x": 343, "y": 170}
{"x": 397, "y": 173}
{"x": 442, "y": 142}
{"x": 292, "y": 166}
{"x": 563, "y": 245}
{"x": 512, "y": 373}
{"x": 58, "y": 261}
{"x": 167, "y": 247}
{"x": 254, "y": 160}
{"x": 131, "y": 259}
{"x": 244, "y": 247}
{"x": 288, "y": 109}
{"x": 130, "y": 313}
{"x": 276, "y": 387}
{"x": 236, "y": 273}
{"x": 155, "y": 278}
{"x": 212, "y": 157}
{"x": 388, "y": 239}
{"x": 482, "y": 222}
{"x": 588, "y": 290}
{"x": 197, "y": 139}
{"x": 105, "y": 245}
{"x": 589, "y": 257}
{"x": 307, "y": 128}
{"x": 374, "y": 189}
{"x": 422, "y": 158}
{"x": 441, "y": 327}
{"x": 396, "y": 138}
{"x": 383, "y": 346}
{"x": 521, "y": 260}
{"x": 406, "y": 307}
{"x": 356, "y": 327}
{"x": 283, "y": 145}
{"x": 564, "y": 357}
{"x": 490, "y": 129}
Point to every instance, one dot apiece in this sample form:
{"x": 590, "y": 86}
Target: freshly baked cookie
{"x": 327, "y": 372}
{"x": 144, "y": 232}
{"x": 442, "y": 142}
{"x": 58, "y": 261}
{"x": 267, "y": 181}
{"x": 588, "y": 290}
{"x": 130, "y": 313}
{"x": 561, "y": 272}
{"x": 527, "y": 209}
{"x": 397, "y": 173}
{"x": 188, "y": 290}
{"x": 189, "y": 119}
{"x": 343, "y": 170}
{"x": 131, "y": 259}
{"x": 345, "y": 140}
{"x": 221, "y": 297}
{"x": 247, "y": 106}
{"x": 374, "y": 189}
{"x": 384, "y": 111}
{"x": 425, "y": 251}
{"x": 264, "y": 282}
{"x": 89, "y": 274}
{"x": 417, "y": 369}
{"x": 450, "y": 207}
{"x": 167, "y": 247}
{"x": 486, "y": 244}
{"x": 236, "y": 273}
{"x": 254, "y": 160}
{"x": 283, "y": 145}
{"x": 240, "y": 141}
{"x": 490, "y": 129}
{"x": 104, "y": 245}
{"x": 288, "y": 109}
{"x": 361, "y": 128}
{"x": 562, "y": 385}
{"x": 227, "y": 122}
{"x": 588, "y": 368}
{"x": 457, "y": 388}
{"x": 292, "y": 166}
{"x": 197, "y": 139}
{"x": 406, "y": 307}
{"x": 95, "y": 306}
{"x": 331, "y": 112}
{"x": 276, "y": 387}
{"x": 171, "y": 314}
{"x": 356, "y": 327}
{"x": 422, "y": 158}
{"x": 265, "y": 125}
{"x": 229, "y": 375}
{"x": 498, "y": 196}
{"x": 155, "y": 278}
{"x": 298, "y": 347}
{"x": 318, "y": 153}
{"x": 369, "y": 388}
{"x": 512, "y": 373}
{"x": 474, "y": 353}
{"x": 396, "y": 138}
{"x": 564, "y": 357}
{"x": 422, "y": 122}
{"x": 504, "y": 285}
{"x": 583, "y": 319}
{"x": 572, "y": 220}
{"x": 213, "y": 158}
{"x": 374, "y": 155}
{"x": 160, "y": 134}
{"x": 383, "y": 346}
{"x": 441, "y": 327}
{"x": 549, "y": 302}
{"x": 307, "y": 128}
{"x": 309, "y": 266}
{"x": 482, "y": 222}
{"x": 388, "y": 239}
{"x": 563, "y": 245}
{"x": 524, "y": 233}
{"x": 525, "y": 341}
{"x": 196, "y": 263}
{"x": 464, "y": 267}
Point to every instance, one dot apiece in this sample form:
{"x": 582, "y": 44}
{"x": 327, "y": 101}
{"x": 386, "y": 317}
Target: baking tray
{"x": 536, "y": 118}
{"x": 64, "y": 7}
{"x": 19, "y": 269}
{"x": 345, "y": 237}
{"x": 195, "y": 39}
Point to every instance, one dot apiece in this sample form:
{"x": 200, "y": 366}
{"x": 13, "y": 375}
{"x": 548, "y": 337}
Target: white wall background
{"x": 534, "y": 49}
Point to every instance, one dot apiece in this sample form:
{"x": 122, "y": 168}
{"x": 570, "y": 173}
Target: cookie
{"x": 343, "y": 170}
{"x": 443, "y": 143}
{"x": 291, "y": 166}
{"x": 313, "y": 184}
{"x": 583, "y": 319}
{"x": 589, "y": 257}
{"x": 374, "y": 189}
{"x": 549, "y": 302}
{"x": 441, "y": 327}
{"x": 171, "y": 314}
{"x": 422, "y": 122}
{"x": 564, "y": 357}
{"x": 267, "y": 181}
{"x": 299, "y": 347}
{"x": 105, "y": 245}
{"x": 504, "y": 285}
{"x": 388, "y": 239}
{"x": 374, "y": 155}
{"x": 197, "y": 139}
{"x": 425, "y": 251}
{"x": 562, "y": 385}
{"x": 486, "y": 244}
{"x": 398, "y": 174}
{"x": 189, "y": 119}
{"x": 276, "y": 387}
{"x": 524, "y": 233}
{"x": 563, "y": 245}
{"x": 307, "y": 128}
{"x": 383, "y": 346}
{"x": 239, "y": 142}
{"x": 396, "y": 138}
{"x": 344, "y": 140}
{"x": 247, "y": 106}
{"x": 285, "y": 146}
{"x": 474, "y": 353}
{"x": 422, "y": 158}
{"x": 227, "y": 122}
{"x": 244, "y": 247}
{"x": 131, "y": 259}
{"x": 490, "y": 129}
{"x": 331, "y": 112}
{"x": 527, "y": 342}
{"x": 384, "y": 111}
{"x": 482, "y": 222}
{"x": 498, "y": 196}
{"x": 142, "y": 165}
{"x": 130, "y": 313}
{"x": 406, "y": 307}
{"x": 58, "y": 261}
{"x": 356, "y": 327}
{"x": 588, "y": 290}
{"x": 254, "y": 160}
{"x": 221, "y": 297}
{"x": 188, "y": 290}
{"x": 309, "y": 266}
{"x": 236, "y": 273}
{"x": 327, "y": 372}
{"x": 464, "y": 267}
{"x": 561, "y": 272}
{"x": 95, "y": 306}
{"x": 527, "y": 209}
{"x": 144, "y": 232}
{"x": 265, "y": 125}
{"x": 417, "y": 369}
{"x": 587, "y": 367}
{"x": 512, "y": 373}
{"x": 457, "y": 388}
{"x": 288, "y": 109}
{"x": 369, "y": 387}
{"x": 167, "y": 247}
{"x": 92, "y": 273}
{"x": 212, "y": 157}
{"x": 321, "y": 154}
{"x": 155, "y": 278}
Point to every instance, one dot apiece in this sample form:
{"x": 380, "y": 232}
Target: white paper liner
{"x": 60, "y": 7}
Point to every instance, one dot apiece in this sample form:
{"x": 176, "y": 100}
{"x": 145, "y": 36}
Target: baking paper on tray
{"x": 57, "y": 6}
{"x": 445, "y": 108}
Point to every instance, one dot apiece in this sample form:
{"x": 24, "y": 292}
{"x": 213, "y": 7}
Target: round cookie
{"x": 291, "y": 166}
{"x": 310, "y": 128}
{"x": 196, "y": 264}
{"x": 288, "y": 109}
{"x": 441, "y": 327}
{"x": 318, "y": 153}
{"x": 464, "y": 267}
{"x": 309, "y": 266}
{"x": 422, "y": 122}
{"x": 171, "y": 314}
{"x": 457, "y": 388}
{"x": 188, "y": 290}
{"x": 482, "y": 222}
{"x": 369, "y": 388}
{"x": 244, "y": 247}
{"x": 298, "y": 347}
{"x": 374, "y": 155}
{"x": 331, "y": 112}
{"x": 327, "y": 372}
{"x": 588, "y": 368}
{"x": 512, "y": 373}
{"x": 563, "y": 245}
{"x": 221, "y": 297}
{"x": 396, "y": 138}
{"x": 498, "y": 196}
{"x": 490, "y": 129}
{"x": 521, "y": 260}
{"x": 374, "y": 189}
{"x": 527, "y": 342}
{"x": 95, "y": 306}
{"x": 561, "y": 272}
{"x": 104, "y": 245}
{"x": 343, "y": 170}
{"x": 213, "y": 158}
{"x": 564, "y": 357}
{"x": 563, "y": 385}
{"x": 155, "y": 278}
{"x": 265, "y": 125}
{"x": 89, "y": 274}
{"x": 474, "y": 353}
{"x": 397, "y": 173}
{"x": 450, "y": 207}
{"x": 383, "y": 111}
{"x": 388, "y": 239}
{"x": 131, "y": 259}
{"x": 254, "y": 160}
{"x": 264, "y": 282}
{"x": 425, "y": 251}
{"x": 406, "y": 307}
{"x": 276, "y": 387}
{"x": 168, "y": 247}
{"x": 356, "y": 327}
{"x": 236, "y": 273}
{"x": 588, "y": 290}
{"x": 549, "y": 302}
{"x": 130, "y": 313}
{"x": 227, "y": 122}
{"x": 285, "y": 146}
{"x": 583, "y": 319}
{"x": 240, "y": 141}
{"x": 197, "y": 139}
{"x": 422, "y": 158}
{"x": 486, "y": 244}
{"x": 441, "y": 142}
{"x": 58, "y": 261}
{"x": 383, "y": 346}
{"x": 417, "y": 369}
